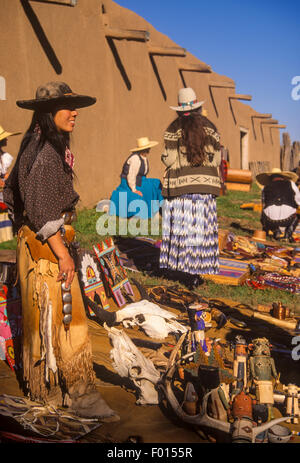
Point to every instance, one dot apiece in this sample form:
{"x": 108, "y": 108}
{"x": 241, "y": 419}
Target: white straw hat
{"x": 265, "y": 177}
{"x": 4, "y": 134}
{"x": 187, "y": 100}
{"x": 144, "y": 143}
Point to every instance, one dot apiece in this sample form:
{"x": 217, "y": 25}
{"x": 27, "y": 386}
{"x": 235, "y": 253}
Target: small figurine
{"x": 240, "y": 364}
{"x": 190, "y": 399}
{"x": 114, "y": 273}
{"x": 243, "y": 423}
{"x": 197, "y": 323}
{"x": 220, "y": 407}
{"x": 292, "y": 405}
{"x": 262, "y": 368}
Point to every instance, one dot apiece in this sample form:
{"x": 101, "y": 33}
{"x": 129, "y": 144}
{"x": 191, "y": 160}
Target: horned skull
{"x": 129, "y": 362}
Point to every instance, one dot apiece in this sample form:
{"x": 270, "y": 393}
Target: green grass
{"x": 230, "y": 215}
{"x": 92, "y": 227}
{"x": 240, "y": 294}
{"x": 12, "y": 244}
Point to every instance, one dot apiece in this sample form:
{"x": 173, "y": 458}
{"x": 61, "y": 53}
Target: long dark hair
{"x": 195, "y": 137}
{"x": 43, "y": 127}
{"x": 41, "y": 130}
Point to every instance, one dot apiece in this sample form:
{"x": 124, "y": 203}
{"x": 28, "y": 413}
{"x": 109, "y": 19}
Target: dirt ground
{"x": 158, "y": 423}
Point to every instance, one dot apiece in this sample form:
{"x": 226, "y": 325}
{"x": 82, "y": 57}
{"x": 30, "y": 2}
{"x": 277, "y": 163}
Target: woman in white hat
{"x": 6, "y": 159}
{"x": 280, "y": 200}
{"x": 136, "y": 186}
{"x": 190, "y": 186}
{"x": 56, "y": 352}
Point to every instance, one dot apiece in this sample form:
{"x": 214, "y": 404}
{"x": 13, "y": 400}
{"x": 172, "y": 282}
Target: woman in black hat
{"x": 280, "y": 199}
{"x": 57, "y": 357}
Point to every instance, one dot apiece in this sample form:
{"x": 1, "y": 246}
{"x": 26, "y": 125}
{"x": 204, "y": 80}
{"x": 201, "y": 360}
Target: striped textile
{"x": 6, "y": 233}
{"x": 190, "y": 234}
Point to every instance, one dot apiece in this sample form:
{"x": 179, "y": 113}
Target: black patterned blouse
{"x": 46, "y": 191}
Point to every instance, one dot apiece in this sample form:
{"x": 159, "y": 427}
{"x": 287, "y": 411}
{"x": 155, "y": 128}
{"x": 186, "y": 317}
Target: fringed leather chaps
{"x": 54, "y": 360}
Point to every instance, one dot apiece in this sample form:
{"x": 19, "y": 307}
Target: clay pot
{"x": 279, "y": 434}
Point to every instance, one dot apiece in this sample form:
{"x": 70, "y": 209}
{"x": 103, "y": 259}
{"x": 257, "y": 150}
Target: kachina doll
{"x": 263, "y": 370}
{"x": 197, "y": 323}
{"x": 292, "y": 405}
{"x": 240, "y": 364}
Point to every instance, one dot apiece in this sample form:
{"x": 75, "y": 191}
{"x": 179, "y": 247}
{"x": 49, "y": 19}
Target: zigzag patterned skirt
{"x": 190, "y": 234}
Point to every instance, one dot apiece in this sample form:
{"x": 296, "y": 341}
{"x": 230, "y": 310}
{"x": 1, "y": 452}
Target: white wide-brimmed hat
{"x": 4, "y": 134}
{"x": 265, "y": 177}
{"x": 144, "y": 143}
{"x": 187, "y": 100}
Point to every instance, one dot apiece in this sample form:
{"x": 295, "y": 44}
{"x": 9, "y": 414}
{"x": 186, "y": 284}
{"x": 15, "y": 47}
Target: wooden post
{"x": 285, "y": 152}
{"x": 295, "y": 154}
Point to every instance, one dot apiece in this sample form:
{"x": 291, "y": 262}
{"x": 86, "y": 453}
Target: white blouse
{"x": 5, "y": 162}
{"x": 134, "y": 167}
{"x": 283, "y": 212}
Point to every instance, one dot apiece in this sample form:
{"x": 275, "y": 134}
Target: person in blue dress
{"x": 137, "y": 195}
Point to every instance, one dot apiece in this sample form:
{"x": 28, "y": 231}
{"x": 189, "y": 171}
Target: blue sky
{"x": 254, "y": 42}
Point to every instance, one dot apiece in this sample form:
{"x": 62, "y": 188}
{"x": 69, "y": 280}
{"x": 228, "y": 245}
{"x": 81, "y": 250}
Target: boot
{"x": 277, "y": 234}
{"x": 88, "y": 403}
{"x": 193, "y": 281}
{"x": 290, "y": 230}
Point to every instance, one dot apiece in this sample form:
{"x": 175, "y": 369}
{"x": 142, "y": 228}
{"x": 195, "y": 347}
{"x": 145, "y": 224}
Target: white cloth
{"x": 155, "y": 321}
{"x": 5, "y": 162}
{"x": 134, "y": 167}
{"x": 283, "y": 212}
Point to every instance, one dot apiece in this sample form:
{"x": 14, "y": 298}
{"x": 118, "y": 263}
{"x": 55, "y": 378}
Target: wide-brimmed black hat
{"x": 266, "y": 177}
{"x": 55, "y": 93}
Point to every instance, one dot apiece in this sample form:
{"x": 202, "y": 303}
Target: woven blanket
{"x": 231, "y": 271}
{"x": 10, "y": 325}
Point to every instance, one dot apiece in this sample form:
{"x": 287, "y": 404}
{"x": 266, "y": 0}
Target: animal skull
{"x": 131, "y": 363}
{"x": 155, "y": 321}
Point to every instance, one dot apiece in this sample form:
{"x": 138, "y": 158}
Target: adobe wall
{"x": 133, "y": 86}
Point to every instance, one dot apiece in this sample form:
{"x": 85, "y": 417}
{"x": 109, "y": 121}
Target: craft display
{"x": 262, "y": 280}
{"x": 240, "y": 428}
{"x": 10, "y": 324}
{"x": 231, "y": 272}
{"x": 113, "y": 272}
{"x": 92, "y": 283}
{"x": 172, "y": 296}
{"x": 240, "y": 247}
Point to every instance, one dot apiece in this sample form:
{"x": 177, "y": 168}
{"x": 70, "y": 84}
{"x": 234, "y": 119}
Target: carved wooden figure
{"x": 263, "y": 370}
{"x": 240, "y": 364}
{"x": 292, "y": 403}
